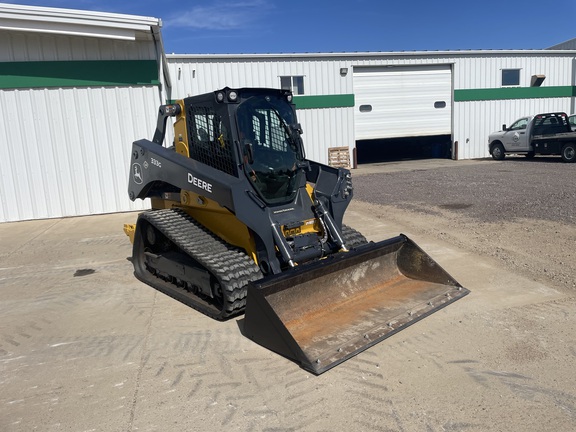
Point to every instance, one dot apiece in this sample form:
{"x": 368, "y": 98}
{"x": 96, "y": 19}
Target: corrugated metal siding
{"x": 66, "y": 152}
{"x": 323, "y": 128}
{"x": 197, "y": 76}
{"x": 22, "y": 46}
{"x": 485, "y": 71}
{"x": 482, "y": 70}
{"x": 474, "y": 121}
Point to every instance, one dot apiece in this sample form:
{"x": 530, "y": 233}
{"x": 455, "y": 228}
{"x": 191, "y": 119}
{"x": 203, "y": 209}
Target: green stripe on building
{"x": 309, "y": 102}
{"x": 91, "y": 73}
{"x": 513, "y": 93}
{"x": 324, "y": 101}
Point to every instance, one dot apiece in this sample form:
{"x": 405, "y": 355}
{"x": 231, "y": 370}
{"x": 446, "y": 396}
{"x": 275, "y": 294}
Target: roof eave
{"x": 371, "y": 54}
{"x": 74, "y": 22}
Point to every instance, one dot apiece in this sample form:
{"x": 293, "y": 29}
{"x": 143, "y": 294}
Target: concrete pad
{"x": 84, "y": 346}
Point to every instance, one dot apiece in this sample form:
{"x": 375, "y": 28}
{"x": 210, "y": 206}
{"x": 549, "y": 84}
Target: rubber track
{"x": 352, "y": 238}
{"x": 232, "y": 268}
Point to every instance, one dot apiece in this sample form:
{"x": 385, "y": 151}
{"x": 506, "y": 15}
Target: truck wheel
{"x": 569, "y": 152}
{"x": 498, "y": 151}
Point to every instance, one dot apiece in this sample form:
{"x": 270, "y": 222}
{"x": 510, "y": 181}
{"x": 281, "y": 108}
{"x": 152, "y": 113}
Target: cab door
{"x": 516, "y": 137}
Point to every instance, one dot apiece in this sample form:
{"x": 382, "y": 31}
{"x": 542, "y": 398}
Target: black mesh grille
{"x": 209, "y": 140}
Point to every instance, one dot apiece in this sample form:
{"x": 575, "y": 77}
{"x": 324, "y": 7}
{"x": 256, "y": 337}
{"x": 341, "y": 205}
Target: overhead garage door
{"x": 402, "y": 101}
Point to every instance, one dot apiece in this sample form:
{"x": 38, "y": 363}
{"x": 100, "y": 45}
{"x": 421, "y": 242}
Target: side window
{"x": 204, "y": 127}
{"x": 510, "y": 77}
{"x": 520, "y": 124}
{"x": 293, "y": 83}
{"x": 209, "y": 140}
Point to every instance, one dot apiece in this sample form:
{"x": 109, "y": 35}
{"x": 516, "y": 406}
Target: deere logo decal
{"x": 137, "y": 173}
{"x": 199, "y": 183}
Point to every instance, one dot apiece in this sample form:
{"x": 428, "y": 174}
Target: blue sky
{"x": 297, "y": 26}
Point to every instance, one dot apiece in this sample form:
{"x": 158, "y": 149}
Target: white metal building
{"x": 77, "y": 87}
{"x": 346, "y": 97}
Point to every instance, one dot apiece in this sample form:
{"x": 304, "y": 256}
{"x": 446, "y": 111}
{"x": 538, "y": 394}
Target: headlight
{"x": 233, "y": 96}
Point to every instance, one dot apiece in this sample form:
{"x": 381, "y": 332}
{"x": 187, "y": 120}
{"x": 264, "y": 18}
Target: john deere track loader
{"x": 241, "y": 222}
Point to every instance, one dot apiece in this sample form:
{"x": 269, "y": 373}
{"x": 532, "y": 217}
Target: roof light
{"x": 220, "y": 96}
{"x": 233, "y": 96}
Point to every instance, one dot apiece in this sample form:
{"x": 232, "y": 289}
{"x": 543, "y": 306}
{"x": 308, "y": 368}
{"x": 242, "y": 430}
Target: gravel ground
{"x": 518, "y": 210}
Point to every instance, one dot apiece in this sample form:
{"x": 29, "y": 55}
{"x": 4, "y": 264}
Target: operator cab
{"x": 271, "y": 146}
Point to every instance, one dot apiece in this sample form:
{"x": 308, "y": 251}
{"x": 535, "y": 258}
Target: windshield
{"x": 271, "y": 153}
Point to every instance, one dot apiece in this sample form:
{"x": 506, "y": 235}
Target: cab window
{"x": 520, "y": 124}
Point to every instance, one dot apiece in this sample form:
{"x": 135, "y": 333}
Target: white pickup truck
{"x": 544, "y": 134}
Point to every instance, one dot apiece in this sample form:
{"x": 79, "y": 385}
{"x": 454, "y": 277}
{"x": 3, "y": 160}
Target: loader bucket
{"x": 322, "y": 314}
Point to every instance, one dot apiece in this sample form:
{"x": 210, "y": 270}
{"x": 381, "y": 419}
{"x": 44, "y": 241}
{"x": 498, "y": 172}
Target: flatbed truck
{"x": 541, "y": 134}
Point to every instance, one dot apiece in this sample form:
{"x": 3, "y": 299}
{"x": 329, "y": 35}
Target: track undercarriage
{"x": 179, "y": 257}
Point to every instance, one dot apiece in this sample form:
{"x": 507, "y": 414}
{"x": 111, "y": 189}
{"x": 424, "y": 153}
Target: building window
{"x": 293, "y": 83}
{"x": 510, "y": 77}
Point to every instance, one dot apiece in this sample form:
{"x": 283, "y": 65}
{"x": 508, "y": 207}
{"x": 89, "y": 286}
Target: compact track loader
{"x": 241, "y": 222}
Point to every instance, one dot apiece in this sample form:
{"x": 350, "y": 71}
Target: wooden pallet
{"x": 339, "y": 157}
